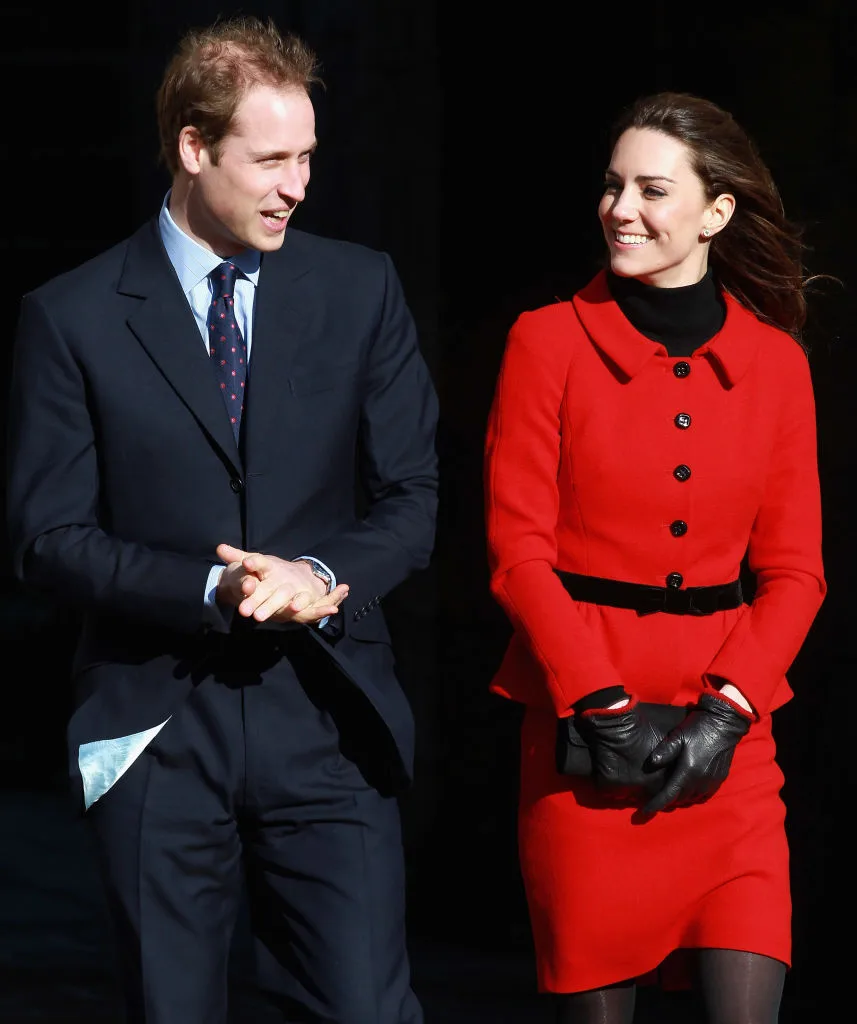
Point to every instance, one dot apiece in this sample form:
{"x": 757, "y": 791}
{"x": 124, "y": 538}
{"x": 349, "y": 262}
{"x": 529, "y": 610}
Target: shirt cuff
{"x": 214, "y": 614}
{"x": 317, "y": 561}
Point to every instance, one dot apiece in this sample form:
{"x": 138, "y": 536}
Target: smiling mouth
{"x": 631, "y": 239}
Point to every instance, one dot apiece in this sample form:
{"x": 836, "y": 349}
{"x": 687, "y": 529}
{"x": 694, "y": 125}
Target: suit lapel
{"x": 165, "y": 326}
{"x": 282, "y": 323}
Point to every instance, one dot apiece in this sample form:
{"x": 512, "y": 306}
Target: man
{"x": 222, "y": 448}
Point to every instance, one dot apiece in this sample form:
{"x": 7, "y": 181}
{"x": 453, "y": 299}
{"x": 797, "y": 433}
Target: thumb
{"x": 665, "y": 752}
{"x": 227, "y": 553}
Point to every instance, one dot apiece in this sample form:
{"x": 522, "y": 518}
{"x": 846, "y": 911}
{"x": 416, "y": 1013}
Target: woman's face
{"x": 654, "y": 210}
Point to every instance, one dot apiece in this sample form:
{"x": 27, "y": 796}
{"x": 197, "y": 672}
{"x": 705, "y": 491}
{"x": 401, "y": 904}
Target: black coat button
{"x": 675, "y": 580}
{"x": 681, "y": 369}
{"x": 236, "y": 484}
{"x": 682, "y": 421}
{"x": 678, "y": 528}
{"x": 682, "y": 473}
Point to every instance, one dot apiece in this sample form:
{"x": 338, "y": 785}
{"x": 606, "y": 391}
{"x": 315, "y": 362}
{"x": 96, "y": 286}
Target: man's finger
{"x": 227, "y": 553}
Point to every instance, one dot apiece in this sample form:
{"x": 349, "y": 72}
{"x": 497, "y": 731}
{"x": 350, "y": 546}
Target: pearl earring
{"x": 706, "y": 232}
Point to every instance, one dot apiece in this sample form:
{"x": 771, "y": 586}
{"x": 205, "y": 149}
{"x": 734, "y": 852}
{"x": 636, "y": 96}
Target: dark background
{"x": 470, "y": 145}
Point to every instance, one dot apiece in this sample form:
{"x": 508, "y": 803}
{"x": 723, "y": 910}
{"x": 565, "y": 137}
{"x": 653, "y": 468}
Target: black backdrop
{"x": 469, "y": 144}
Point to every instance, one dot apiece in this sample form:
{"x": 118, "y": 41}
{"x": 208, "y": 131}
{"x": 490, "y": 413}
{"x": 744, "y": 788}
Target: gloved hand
{"x": 701, "y": 750}
{"x": 619, "y": 742}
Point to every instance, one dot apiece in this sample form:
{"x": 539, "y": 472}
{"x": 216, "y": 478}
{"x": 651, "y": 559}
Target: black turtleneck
{"x": 681, "y": 319}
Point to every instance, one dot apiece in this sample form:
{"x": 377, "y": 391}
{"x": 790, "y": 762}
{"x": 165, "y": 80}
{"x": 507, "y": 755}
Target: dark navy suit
{"x": 285, "y": 748}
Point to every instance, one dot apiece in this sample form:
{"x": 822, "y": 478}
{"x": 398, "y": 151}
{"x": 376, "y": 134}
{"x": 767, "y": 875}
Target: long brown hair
{"x": 758, "y": 257}
{"x": 212, "y": 69}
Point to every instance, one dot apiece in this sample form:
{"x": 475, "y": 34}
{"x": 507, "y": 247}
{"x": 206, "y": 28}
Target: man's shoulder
{"x": 101, "y": 270}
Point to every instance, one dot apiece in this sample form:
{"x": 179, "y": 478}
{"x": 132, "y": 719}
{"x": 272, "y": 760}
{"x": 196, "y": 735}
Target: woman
{"x": 644, "y": 439}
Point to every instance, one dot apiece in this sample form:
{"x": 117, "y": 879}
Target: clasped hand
{"x": 269, "y": 588}
{"x": 619, "y": 743}
{"x": 697, "y": 754}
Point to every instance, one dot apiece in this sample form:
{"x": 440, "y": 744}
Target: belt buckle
{"x": 678, "y": 602}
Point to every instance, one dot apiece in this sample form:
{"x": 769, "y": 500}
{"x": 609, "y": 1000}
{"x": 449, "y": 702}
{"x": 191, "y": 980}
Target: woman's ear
{"x": 718, "y": 214}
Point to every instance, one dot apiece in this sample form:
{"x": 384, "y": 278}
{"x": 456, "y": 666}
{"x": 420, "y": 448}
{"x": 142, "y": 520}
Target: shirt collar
{"x": 193, "y": 262}
{"x": 733, "y": 348}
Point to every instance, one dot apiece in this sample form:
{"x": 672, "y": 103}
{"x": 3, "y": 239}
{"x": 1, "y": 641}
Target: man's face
{"x": 246, "y": 198}
{"x": 653, "y": 211}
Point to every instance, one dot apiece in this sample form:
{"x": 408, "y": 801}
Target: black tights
{"x": 734, "y": 988}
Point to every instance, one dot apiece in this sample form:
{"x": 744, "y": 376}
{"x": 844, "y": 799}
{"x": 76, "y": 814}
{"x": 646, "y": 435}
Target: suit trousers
{"x": 265, "y": 781}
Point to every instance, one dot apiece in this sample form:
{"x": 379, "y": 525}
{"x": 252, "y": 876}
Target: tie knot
{"x": 223, "y": 279}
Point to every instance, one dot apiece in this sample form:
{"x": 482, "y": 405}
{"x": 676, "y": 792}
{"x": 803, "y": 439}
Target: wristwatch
{"x": 319, "y": 570}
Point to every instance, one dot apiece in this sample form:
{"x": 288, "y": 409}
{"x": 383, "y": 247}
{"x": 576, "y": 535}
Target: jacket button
{"x": 682, "y": 421}
{"x": 678, "y": 527}
{"x": 675, "y": 580}
{"x": 236, "y": 484}
{"x": 681, "y": 369}
{"x": 682, "y": 473}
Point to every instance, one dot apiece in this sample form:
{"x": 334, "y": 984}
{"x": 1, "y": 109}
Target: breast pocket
{"x": 313, "y": 379}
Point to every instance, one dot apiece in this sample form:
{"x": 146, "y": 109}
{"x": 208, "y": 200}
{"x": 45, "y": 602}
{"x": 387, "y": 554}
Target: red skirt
{"x": 612, "y": 898}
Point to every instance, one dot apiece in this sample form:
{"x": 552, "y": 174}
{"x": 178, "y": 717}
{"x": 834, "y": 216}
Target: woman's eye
{"x": 655, "y": 193}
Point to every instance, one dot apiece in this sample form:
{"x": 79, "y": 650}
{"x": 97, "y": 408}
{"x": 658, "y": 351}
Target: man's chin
{"x": 269, "y": 243}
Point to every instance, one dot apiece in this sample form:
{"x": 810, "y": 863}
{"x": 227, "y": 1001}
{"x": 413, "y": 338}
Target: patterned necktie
{"x": 226, "y": 343}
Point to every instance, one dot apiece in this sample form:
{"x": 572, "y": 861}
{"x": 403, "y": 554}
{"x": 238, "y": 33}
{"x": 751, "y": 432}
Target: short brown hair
{"x": 212, "y": 69}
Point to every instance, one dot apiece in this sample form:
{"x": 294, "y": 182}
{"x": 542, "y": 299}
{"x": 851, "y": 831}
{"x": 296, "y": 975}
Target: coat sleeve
{"x": 397, "y": 466}
{"x": 784, "y": 552}
{"x": 522, "y": 460}
{"x": 57, "y": 542}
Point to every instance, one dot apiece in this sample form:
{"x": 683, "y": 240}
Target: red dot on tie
{"x": 222, "y": 387}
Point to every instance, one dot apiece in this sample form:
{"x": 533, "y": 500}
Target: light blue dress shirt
{"x": 102, "y": 762}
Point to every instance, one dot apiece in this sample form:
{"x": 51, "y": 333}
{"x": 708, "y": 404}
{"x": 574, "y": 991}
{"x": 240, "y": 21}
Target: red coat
{"x": 583, "y": 440}
{"x": 582, "y": 443}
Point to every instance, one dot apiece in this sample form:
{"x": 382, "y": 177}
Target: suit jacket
{"x": 123, "y": 474}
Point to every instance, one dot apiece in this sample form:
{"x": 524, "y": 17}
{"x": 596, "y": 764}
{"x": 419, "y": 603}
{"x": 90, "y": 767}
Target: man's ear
{"x": 190, "y": 149}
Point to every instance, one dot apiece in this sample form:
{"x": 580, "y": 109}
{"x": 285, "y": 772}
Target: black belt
{"x": 645, "y": 599}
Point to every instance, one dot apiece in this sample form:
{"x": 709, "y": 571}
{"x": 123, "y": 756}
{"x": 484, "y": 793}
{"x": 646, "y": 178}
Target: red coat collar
{"x": 733, "y": 348}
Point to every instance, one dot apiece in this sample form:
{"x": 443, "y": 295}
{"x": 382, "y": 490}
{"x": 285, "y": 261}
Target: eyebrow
{"x": 643, "y": 177}
{"x": 281, "y": 154}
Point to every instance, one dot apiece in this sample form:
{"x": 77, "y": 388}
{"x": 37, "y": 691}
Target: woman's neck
{"x": 681, "y": 319}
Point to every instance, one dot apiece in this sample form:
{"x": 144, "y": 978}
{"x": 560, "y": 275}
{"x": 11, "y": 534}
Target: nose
{"x": 623, "y": 209}
{"x": 293, "y": 182}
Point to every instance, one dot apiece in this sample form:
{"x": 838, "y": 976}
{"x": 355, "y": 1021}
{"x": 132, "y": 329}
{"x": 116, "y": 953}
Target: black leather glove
{"x": 700, "y": 750}
{"x": 619, "y": 742}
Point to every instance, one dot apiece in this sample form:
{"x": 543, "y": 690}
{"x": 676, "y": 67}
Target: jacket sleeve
{"x": 784, "y": 552}
{"x": 397, "y": 464}
{"x": 522, "y": 461}
{"x": 57, "y": 543}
